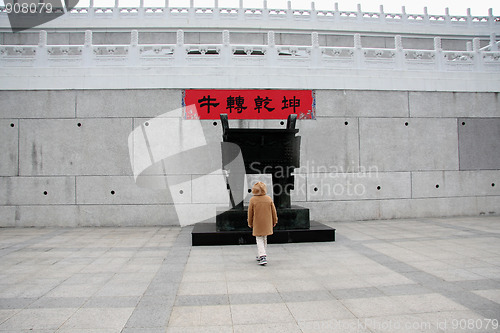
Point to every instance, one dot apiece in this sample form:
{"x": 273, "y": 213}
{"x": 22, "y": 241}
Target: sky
{"x": 457, "y": 7}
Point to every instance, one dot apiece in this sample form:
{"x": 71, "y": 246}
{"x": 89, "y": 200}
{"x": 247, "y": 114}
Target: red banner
{"x": 249, "y": 104}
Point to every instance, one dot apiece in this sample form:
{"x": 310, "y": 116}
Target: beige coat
{"x": 262, "y": 215}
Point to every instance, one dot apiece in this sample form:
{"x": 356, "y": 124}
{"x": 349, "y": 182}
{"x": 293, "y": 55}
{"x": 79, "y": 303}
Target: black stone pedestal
{"x": 206, "y": 234}
{"x": 235, "y": 219}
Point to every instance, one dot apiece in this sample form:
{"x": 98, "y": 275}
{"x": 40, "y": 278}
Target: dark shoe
{"x": 263, "y": 260}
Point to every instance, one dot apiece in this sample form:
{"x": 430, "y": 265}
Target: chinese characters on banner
{"x": 249, "y": 104}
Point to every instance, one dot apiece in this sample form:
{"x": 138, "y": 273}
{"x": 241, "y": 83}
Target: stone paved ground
{"x": 423, "y": 275}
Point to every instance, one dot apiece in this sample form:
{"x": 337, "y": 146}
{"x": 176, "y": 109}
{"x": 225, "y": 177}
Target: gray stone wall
{"x": 367, "y": 155}
{"x": 418, "y": 154}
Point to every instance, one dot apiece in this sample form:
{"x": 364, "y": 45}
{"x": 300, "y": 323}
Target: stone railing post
{"x": 116, "y": 9}
{"x": 404, "y": 16}
{"x": 41, "y": 56}
{"x": 358, "y": 52}
{"x": 271, "y": 53}
{"x": 141, "y": 9}
{"x": 166, "y": 10}
{"x": 289, "y": 12}
{"x": 493, "y": 42}
{"x": 216, "y": 13}
{"x": 476, "y": 45}
{"x": 359, "y": 15}
{"x": 87, "y": 49}
{"x": 491, "y": 18}
{"x": 241, "y": 11}
{"x": 382, "y": 14}
{"x": 180, "y": 53}
{"x": 133, "y": 53}
{"x": 134, "y": 38}
{"x": 478, "y": 57}
{"x": 265, "y": 11}
{"x": 336, "y": 15}
{"x": 447, "y": 17}
{"x": 426, "y": 16}
{"x": 400, "y": 55}
{"x": 314, "y": 13}
{"x": 226, "y": 52}
{"x": 42, "y": 38}
{"x": 439, "y": 53}
{"x": 315, "y": 50}
{"x": 192, "y": 11}
{"x": 91, "y": 11}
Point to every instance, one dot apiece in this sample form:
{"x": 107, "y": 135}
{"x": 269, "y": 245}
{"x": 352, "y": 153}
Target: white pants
{"x": 261, "y": 245}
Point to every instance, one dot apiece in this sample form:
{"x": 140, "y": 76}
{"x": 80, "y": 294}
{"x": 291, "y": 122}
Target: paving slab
{"x": 419, "y": 275}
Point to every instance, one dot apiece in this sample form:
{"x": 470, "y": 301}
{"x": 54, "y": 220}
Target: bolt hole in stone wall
{"x": 12, "y": 125}
{"x": 479, "y": 137}
{"x": 113, "y": 192}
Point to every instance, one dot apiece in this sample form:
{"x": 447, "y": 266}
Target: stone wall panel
{"x": 122, "y": 190}
{"x": 38, "y": 104}
{"x": 328, "y": 211}
{"x": 329, "y": 145}
{"x": 455, "y": 183}
{"x": 127, "y": 103}
{"x": 454, "y": 104}
{"x": 361, "y": 103}
{"x": 9, "y": 141}
{"x": 74, "y": 147}
{"x": 394, "y": 144}
{"x": 37, "y": 190}
{"x": 358, "y": 186}
{"x": 479, "y": 143}
{"x": 96, "y": 216}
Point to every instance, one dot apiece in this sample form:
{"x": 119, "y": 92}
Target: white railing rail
{"x": 226, "y": 54}
{"x": 493, "y": 46}
{"x": 170, "y": 16}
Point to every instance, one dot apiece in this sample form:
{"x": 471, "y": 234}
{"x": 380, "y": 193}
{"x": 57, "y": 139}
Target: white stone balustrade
{"x": 234, "y": 55}
{"x": 93, "y": 17}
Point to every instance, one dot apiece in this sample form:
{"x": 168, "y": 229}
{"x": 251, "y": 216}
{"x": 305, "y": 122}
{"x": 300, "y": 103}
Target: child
{"x": 262, "y": 218}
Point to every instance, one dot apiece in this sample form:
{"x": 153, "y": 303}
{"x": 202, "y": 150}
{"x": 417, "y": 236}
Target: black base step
{"x": 206, "y": 234}
{"x": 295, "y": 217}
